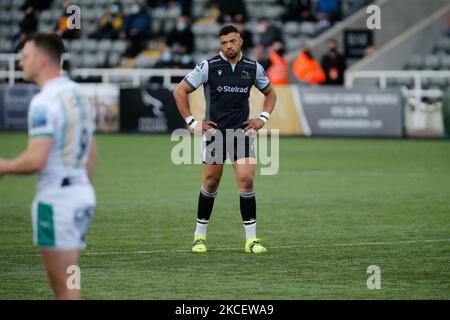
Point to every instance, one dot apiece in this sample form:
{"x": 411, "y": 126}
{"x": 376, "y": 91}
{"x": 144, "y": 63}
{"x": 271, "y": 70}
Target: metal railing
{"x": 382, "y": 76}
{"x": 107, "y": 75}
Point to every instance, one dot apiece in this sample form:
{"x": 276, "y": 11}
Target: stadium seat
{"x": 431, "y": 62}
{"x": 144, "y": 61}
{"x": 291, "y": 28}
{"x": 437, "y": 83}
{"x": 76, "y": 46}
{"x": 308, "y": 28}
{"x": 46, "y": 16}
{"x": 445, "y": 62}
{"x": 294, "y": 43}
{"x": 119, "y": 46}
{"x": 414, "y": 62}
{"x": 5, "y": 46}
{"x": 443, "y": 45}
{"x": 5, "y": 18}
{"x": 89, "y": 45}
{"x": 113, "y": 60}
{"x": 105, "y": 45}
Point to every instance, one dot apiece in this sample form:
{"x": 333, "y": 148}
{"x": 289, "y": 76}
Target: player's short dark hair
{"x": 50, "y": 43}
{"x": 227, "y": 30}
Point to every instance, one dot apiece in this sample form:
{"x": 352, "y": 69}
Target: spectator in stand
{"x": 333, "y": 64}
{"x": 230, "y": 10}
{"x": 110, "y": 23}
{"x": 136, "y": 28}
{"x": 181, "y": 38}
{"x": 269, "y": 33}
{"x": 307, "y": 69}
{"x": 28, "y": 26}
{"x": 296, "y": 10}
{"x": 62, "y": 27}
{"x": 246, "y": 36}
{"x": 332, "y": 8}
{"x": 278, "y": 71}
{"x": 38, "y": 5}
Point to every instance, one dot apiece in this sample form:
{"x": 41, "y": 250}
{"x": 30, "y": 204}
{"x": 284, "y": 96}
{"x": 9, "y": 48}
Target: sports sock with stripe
{"x": 248, "y": 213}
{"x": 205, "y": 206}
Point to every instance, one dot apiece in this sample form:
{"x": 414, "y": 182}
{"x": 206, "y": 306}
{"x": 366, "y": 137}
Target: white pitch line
{"x": 236, "y": 249}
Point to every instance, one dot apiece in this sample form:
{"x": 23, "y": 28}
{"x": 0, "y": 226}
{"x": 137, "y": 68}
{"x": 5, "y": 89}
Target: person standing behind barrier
{"x": 333, "y": 64}
{"x": 307, "y": 69}
{"x": 278, "y": 71}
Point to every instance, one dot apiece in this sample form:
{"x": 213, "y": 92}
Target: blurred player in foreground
{"x": 61, "y": 148}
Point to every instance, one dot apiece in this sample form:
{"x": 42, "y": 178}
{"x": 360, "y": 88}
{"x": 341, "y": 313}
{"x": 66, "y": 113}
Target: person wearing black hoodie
{"x": 334, "y": 64}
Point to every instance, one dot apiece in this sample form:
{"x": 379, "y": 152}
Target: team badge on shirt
{"x": 245, "y": 75}
{"x": 39, "y": 117}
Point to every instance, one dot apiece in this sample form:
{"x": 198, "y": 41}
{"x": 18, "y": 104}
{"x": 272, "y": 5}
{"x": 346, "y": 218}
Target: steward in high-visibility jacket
{"x": 308, "y": 70}
{"x": 278, "y": 72}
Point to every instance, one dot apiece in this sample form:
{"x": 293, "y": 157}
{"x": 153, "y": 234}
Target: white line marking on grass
{"x": 331, "y": 245}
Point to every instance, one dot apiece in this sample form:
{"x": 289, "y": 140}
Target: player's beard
{"x": 231, "y": 54}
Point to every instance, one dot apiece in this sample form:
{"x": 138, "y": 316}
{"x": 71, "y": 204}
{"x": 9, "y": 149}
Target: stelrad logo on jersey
{"x": 235, "y": 89}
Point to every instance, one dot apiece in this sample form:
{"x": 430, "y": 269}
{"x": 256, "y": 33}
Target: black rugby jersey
{"x": 227, "y": 88}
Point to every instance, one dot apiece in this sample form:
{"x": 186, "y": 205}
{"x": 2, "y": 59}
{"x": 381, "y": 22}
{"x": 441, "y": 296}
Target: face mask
{"x": 186, "y": 59}
{"x": 114, "y": 9}
{"x": 134, "y": 9}
{"x": 181, "y": 26}
{"x": 166, "y": 57}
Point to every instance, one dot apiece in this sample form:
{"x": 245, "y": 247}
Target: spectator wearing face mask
{"x": 307, "y": 69}
{"x": 111, "y": 23}
{"x": 136, "y": 28}
{"x": 333, "y": 64}
{"x": 181, "y": 38}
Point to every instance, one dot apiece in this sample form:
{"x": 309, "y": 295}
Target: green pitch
{"x": 336, "y": 207}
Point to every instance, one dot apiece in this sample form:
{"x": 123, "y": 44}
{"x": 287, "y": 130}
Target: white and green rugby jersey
{"x": 60, "y": 111}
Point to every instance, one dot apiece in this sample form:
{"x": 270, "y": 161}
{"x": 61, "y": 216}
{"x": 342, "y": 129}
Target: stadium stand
{"x": 89, "y": 52}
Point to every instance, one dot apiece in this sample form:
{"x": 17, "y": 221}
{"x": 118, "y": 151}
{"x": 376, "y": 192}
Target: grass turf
{"x": 336, "y": 207}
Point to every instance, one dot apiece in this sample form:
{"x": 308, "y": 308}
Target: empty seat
{"x": 415, "y": 62}
{"x": 144, "y": 61}
{"x": 105, "y": 45}
{"x": 89, "y": 60}
{"x": 308, "y": 28}
{"x": 443, "y": 45}
{"x": 400, "y": 82}
{"x": 445, "y": 62}
{"x": 437, "y": 83}
{"x": 89, "y": 45}
{"x": 76, "y": 46}
{"x": 431, "y": 62}
{"x": 119, "y": 46}
{"x": 46, "y": 16}
{"x": 294, "y": 43}
{"x": 291, "y": 28}
{"x": 113, "y": 60}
